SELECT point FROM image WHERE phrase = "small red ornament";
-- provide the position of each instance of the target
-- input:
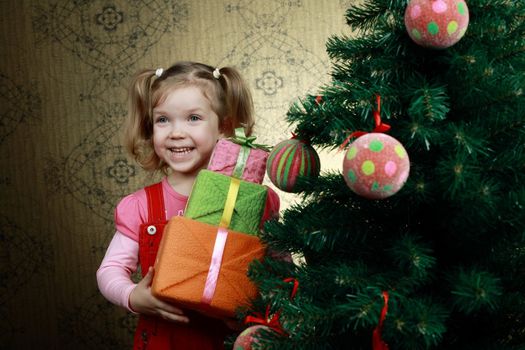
(248, 338)
(436, 24)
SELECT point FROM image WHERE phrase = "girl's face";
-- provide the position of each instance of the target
(185, 130)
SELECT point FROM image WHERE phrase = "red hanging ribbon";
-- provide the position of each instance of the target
(273, 321)
(379, 126)
(295, 286)
(377, 342)
(294, 136)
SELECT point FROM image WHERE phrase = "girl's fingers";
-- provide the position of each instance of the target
(169, 308)
(165, 310)
(149, 277)
(173, 317)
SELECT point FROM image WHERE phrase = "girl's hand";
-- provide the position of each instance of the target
(142, 301)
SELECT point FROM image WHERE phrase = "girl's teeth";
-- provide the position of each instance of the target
(180, 150)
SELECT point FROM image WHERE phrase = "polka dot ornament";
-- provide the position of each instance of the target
(289, 160)
(246, 339)
(376, 166)
(436, 24)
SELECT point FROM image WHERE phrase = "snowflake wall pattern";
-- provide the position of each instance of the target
(108, 36)
(90, 326)
(97, 171)
(280, 66)
(17, 105)
(22, 256)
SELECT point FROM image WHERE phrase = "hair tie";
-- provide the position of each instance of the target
(158, 72)
(216, 73)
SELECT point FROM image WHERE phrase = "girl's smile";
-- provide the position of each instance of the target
(180, 152)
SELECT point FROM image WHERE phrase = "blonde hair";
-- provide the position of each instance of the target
(228, 94)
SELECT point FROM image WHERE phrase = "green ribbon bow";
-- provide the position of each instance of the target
(246, 142)
(240, 138)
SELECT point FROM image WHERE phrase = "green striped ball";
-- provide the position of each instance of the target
(289, 160)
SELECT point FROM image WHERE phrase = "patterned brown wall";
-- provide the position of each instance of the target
(64, 67)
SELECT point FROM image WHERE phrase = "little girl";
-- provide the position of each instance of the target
(176, 117)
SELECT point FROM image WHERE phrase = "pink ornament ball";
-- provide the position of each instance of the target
(376, 166)
(436, 24)
(246, 339)
(290, 159)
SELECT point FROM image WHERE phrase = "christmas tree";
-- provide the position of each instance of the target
(441, 263)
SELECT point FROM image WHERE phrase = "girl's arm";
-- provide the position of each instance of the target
(114, 273)
(115, 284)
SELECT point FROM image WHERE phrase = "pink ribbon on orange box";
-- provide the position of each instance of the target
(220, 242)
(273, 322)
(379, 125)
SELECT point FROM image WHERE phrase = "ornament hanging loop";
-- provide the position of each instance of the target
(273, 321)
(379, 125)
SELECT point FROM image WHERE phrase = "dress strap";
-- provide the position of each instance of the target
(156, 209)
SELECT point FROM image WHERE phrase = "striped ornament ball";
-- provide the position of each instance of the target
(289, 160)
(376, 166)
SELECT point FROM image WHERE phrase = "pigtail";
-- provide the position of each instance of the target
(238, 100)
(138, 128)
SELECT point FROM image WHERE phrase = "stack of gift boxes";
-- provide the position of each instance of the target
(203, 257)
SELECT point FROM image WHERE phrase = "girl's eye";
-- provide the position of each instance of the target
(161, 119)
(194, 118)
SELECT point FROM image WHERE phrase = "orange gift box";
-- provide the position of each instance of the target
(182, 267)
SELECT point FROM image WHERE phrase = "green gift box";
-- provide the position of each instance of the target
(221, 200)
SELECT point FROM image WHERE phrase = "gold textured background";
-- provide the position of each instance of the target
(64, 68)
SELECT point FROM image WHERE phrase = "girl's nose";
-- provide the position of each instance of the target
(177, 130)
